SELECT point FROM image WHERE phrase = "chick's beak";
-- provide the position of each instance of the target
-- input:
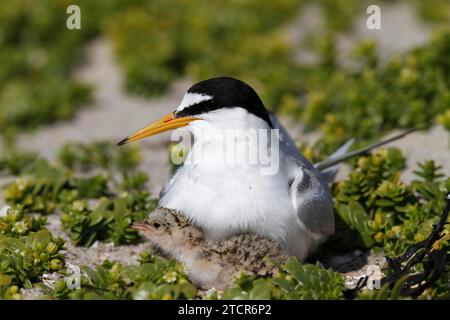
(168, 122)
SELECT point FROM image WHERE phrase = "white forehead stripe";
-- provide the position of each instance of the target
(191, 98)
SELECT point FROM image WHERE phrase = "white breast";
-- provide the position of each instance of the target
(225, 199)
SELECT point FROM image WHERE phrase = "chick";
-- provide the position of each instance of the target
(210, 264)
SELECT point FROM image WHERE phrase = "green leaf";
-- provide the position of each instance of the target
(356, 217)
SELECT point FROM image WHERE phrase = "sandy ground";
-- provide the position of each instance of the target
(400, 31)
(114, 114)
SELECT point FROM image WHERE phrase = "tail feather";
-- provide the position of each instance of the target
(329, 173)
(329, 166)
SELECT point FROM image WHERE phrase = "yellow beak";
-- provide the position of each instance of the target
(166, 123)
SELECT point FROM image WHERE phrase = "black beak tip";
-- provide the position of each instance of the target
(122, 142)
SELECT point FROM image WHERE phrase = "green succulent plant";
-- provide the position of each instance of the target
(382, 209)
(24, 259)
(15, 163)
(16, 223)
(47, 187)
(153, 278)
(110, 220)
(293, 281)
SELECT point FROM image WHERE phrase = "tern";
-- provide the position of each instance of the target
(210, 264)
(292, 205)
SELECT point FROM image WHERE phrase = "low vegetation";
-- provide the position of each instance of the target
(374, 208)
(98, 190)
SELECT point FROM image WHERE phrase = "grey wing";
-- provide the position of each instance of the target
(312, 201)
(329, 173)
(170, 182)
(285, 138)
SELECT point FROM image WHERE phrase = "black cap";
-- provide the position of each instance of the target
(226, 92)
